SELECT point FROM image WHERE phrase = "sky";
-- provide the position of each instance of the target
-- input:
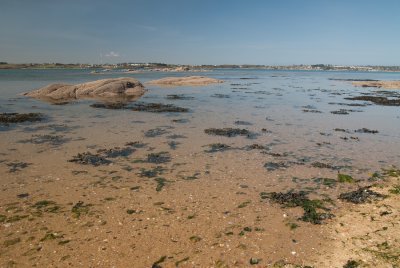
(279, 32)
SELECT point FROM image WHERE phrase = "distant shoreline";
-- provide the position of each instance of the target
(189, 68)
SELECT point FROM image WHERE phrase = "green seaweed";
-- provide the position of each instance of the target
(351, 264)
(160, 183)
(195, 238)
(11, 242)
(345, 178)
(151, 173)
(300, 199)
(177, 263)
(160, 260)
(395, 189)
(80, 209)
(244, 204)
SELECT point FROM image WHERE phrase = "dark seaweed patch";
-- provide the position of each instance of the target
(271, 166)
(53, 128)
(342, 130)
(344, 111)
(54, 140)
(116, 152)
(178, 97)
(377, 100)
(311, 111)
(10, 118)
(300, 199)
(156, 264)
(221, 96)
(366, 130)
(256, 146)
(326, 181)
(176, 136)
(243, 123)
(158, 108)
(217, 147)
(88, 158)
(180, 121)
(361, 195)
(111, 106)
(136, 144)
(80, 209)
(158, 158)
(151, 133)
(160, 183)
(173, 144)
(227, 132)
(322, 165)
(151, 173)
(17, 166)
(46, 206)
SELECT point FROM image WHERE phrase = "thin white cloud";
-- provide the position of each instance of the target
(112, 54)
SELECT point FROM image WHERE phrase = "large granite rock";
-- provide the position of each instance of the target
(114, 89)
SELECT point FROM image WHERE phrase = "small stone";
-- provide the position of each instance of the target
(254, 261)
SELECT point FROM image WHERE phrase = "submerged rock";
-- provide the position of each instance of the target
(114, 89)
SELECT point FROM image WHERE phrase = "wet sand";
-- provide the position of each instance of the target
(178, 196)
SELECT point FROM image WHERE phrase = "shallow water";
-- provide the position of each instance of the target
(270, 103)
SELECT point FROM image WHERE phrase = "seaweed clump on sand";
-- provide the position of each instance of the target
(227, 132)
(377, 100)
(300, 199)
(12, 118)
(88, 158)
(158, 108)
(361, 195)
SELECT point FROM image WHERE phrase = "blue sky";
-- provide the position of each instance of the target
(276, 32)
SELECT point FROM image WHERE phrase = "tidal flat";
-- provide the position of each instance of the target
(267, 169)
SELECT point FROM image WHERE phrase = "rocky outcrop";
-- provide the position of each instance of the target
(378, 84)
(185, 81)
(115, 89)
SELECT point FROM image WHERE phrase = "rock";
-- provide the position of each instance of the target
(185, 81)
(115, 89)
(254, 261)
